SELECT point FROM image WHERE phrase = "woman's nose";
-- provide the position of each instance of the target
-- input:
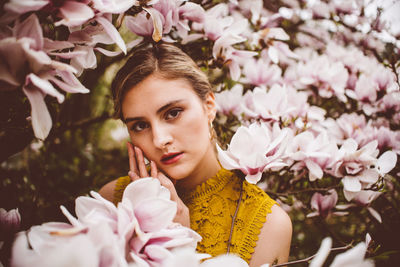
(161, 136)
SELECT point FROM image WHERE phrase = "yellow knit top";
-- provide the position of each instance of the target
(212, 206)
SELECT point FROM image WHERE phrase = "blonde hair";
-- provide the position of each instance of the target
(164, 60)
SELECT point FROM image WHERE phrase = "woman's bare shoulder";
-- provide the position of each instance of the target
(107, 191)
(275, 237)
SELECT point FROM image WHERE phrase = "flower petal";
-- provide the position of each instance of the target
(45, 86)
(74, 14)
(155, 214)
(157, 23)
(322, 253)
(141, 189)
(112, 32)
(41, 120)
(351, 184)
(386, 162)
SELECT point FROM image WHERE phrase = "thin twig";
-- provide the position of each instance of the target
(311, 257)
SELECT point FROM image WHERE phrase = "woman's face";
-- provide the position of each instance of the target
(170, 123)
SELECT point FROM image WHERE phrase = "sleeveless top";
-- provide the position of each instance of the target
(212, 206)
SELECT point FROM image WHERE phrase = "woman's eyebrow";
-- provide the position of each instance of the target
(168, 105)
(160, 110)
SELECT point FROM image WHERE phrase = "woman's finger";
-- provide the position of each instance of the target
(132, 159)
(133, 176)
(141, 164)
(165, 181)
(153, 170)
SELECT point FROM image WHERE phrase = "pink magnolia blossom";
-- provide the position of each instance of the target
(216, 21)
(229, 101)
(255, 149)
(353, 164)
(313, 152)
(276, 48)
(138, 231)
(261, 73)
(271, 106)
(74, 13)
(24, 50)
(9, 221)
(224, 52)
(324, 204)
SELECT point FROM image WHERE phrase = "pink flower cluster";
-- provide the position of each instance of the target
(139, 230)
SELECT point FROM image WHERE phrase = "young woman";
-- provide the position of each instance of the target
(167, 104)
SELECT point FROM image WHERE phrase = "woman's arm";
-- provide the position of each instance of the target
(274, 239)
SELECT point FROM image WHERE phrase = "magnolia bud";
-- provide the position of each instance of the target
(9, 220)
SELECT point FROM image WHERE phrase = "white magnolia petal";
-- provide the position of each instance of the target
(386, 162)
(353, 257)
(157, 253)
(375, 214)
(141, 189)
(74, 14)
(112, 32)
(312, 214)
(369, 176)
(155, 214)
(226, 160)
(107, 53)
(67, 55)
(314, 169)
(69, 216)
(322, 253)
(41, 119)
(45, 86)
(273, 54)
(31, 29)
(70, 88)
(349, 195)
(351, 184)
(253, 178)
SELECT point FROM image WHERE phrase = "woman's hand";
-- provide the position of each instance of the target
(138, 170)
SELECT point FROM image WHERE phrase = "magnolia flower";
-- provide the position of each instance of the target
(224, 52)
(255, 149)
(139, 230)
(365, 92)
(25, 64)
(329, 77)
(229, 101)
(259, 72)
(353, 257)
(216, 21)
(272, 105)
(323, 204)
(354, 165)
(314, 153)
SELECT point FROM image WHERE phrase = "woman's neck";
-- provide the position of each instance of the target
(206, 169)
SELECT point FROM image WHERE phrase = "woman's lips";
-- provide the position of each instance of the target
(171, 158)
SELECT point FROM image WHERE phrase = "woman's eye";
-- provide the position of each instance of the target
(173, 113)
(139, 126)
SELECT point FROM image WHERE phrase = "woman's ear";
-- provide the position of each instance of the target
(211, 107)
